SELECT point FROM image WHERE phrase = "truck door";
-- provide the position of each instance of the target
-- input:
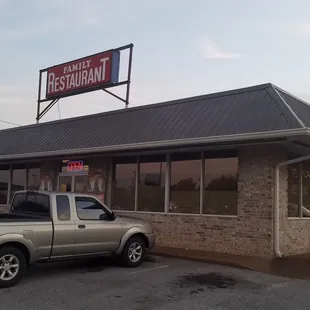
(64, 227)
(94, 234)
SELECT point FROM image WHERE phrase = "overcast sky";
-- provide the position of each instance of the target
(182, 48)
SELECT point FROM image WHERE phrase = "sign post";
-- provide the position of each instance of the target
(96, 72)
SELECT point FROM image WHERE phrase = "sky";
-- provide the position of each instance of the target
(181, 48)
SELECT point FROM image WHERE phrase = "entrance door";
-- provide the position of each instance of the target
(65, 183)
(80, 183)
(75, 183)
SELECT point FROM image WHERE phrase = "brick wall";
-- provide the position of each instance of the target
(294, 233)
(250, 233)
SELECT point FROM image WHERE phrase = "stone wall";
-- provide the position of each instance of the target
(249, 233)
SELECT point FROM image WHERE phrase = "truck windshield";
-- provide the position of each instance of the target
(32, 203)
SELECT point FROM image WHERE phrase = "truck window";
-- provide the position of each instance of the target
(63, 208)
(88, 208)
(32, 203)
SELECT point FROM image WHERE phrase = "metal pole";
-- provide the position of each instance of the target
(39, 97)
(129, 76)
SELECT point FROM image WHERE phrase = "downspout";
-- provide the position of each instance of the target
(277, 251)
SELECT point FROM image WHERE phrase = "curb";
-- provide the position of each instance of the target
(152, 258)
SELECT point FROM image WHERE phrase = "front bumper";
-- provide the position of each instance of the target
(152, 239)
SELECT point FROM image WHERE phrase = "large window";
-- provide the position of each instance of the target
(185, 183)
(298, 194)
(4, 181)
(123, 192)
(33, 182)
(151, 190)
(221, 186)
(293, 172)
(19, 180)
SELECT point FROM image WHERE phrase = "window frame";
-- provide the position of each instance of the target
(232, 153)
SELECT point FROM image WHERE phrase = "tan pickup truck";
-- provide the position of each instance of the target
(48, 226)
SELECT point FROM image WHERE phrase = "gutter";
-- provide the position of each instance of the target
(277, 251)
(163, 144)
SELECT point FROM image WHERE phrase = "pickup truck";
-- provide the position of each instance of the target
(48, 226)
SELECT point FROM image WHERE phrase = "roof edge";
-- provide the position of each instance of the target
(168, 143)
(290, 94)
(288, 107)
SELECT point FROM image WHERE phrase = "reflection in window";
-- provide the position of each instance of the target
(19, 180)
(88, 208)
(33, 179)
(4, 181)
(63, 208)
(123, 192)
(221, 186)
(293, 190)
(151, 191)
(185, 186)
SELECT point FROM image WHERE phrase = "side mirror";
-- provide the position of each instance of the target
(107, 216)
(103, 217)
(113, 216)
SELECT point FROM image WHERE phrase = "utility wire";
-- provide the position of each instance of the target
(9, 123)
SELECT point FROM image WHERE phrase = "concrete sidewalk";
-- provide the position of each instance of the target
(297, 266)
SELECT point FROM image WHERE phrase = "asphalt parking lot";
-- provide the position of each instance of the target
(166, 284)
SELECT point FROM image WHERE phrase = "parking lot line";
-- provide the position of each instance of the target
(149, 269)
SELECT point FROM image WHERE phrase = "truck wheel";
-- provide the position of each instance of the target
(133, 252)
(12, 266)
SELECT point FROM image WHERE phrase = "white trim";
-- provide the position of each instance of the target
(298, 218)
(167, 143)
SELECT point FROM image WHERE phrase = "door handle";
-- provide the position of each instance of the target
(81, 226)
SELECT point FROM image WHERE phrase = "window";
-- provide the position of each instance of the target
(293, 172)
(298, 185)
(88, 208)
(221, 186)
(185, 184)
(4, 181)
(33, 182)
(19, 180)
(31, 203)
(124, 183)
(151, 190)
(305, 168)
(63, 208)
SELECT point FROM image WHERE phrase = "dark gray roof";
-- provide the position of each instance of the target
(262, 108)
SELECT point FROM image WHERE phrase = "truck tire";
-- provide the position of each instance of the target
(133, 252)
(12, 266)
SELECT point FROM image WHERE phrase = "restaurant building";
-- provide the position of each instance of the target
(224, 173)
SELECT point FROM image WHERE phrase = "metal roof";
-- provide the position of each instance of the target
(259, 109)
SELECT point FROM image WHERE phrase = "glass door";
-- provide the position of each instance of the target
(81, 183)
(65, 183)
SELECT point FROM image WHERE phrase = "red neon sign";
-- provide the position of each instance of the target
(76, 165)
